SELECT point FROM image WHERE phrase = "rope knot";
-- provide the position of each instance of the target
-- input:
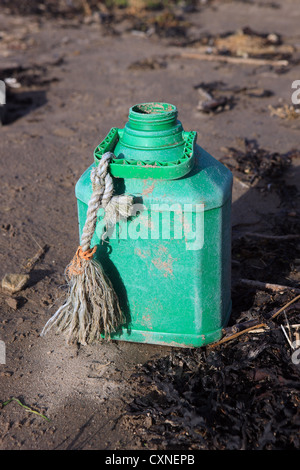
(76, 266)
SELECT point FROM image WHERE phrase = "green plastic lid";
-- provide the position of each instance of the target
(152, 144)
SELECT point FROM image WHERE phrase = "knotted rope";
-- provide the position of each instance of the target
(92, 308)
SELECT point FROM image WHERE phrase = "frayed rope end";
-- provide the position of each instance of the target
(91, 310)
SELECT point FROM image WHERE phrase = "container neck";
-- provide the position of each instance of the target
(152, 144)
(152, 117)
(151, 127)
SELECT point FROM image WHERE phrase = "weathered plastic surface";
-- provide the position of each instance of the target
(172, 290)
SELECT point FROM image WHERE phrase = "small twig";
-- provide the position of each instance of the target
(233, 60)
(242, 183)
(266, 285)
(288, 339)
(32, 261)
(284, 307)
(288, 326)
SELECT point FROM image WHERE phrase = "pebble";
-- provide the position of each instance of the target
(14, 282)
(14, 303)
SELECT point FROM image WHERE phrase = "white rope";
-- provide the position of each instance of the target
(116, 207)
(102, 193)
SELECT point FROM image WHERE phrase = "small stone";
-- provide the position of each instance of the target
(14, 282)
(148, 422)
(12, 302)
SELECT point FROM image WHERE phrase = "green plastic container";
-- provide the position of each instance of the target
(170, 263)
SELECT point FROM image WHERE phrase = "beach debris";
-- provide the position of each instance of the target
(148, 64)
(239, 393)
(242, 47)
(210, 99)
(27, 408)
(254, 164)
(286, 111)
(246, 43)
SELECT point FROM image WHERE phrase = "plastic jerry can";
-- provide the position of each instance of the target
(170, 263)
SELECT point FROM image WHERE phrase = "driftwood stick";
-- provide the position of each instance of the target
(267, 286)
(240, 327)
(233, 60)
